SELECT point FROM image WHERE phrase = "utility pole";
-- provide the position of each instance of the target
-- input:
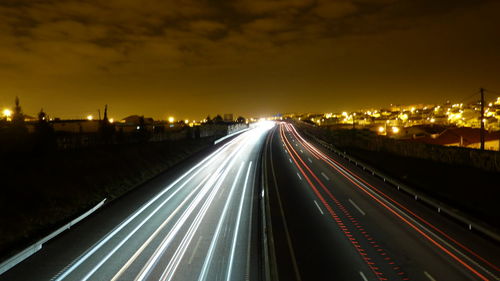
(482, 119)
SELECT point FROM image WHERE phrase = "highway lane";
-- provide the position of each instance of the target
(331, 219)
(201, 226)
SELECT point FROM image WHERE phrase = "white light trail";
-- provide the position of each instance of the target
(181, 250)
(238, 221)
(193, 172)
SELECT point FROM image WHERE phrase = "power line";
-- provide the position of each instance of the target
(473, 95)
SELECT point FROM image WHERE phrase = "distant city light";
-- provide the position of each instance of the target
(171, 119)
(111, 120)
(395, 130)
(186, 121)
(381, 129)
(7, 112)
(90, 117)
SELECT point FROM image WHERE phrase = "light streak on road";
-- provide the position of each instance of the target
(406, 216)
(215, 238)
(192, 172)
(153, 242)
(238, 221)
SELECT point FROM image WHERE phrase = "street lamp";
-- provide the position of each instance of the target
(171, 119)
(7, 113)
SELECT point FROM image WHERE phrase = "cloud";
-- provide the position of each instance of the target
(129, 35)
(258, 7)
(334, 9)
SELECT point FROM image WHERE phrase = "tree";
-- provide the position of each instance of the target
(142, 131)
(106, 129)
(42, 117)
(17, 116)
(218, 119)
(44, 134)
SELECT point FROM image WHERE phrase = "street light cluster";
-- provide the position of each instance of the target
(382, 130)
(398, 116)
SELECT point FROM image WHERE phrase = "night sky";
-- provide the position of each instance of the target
(191, 58)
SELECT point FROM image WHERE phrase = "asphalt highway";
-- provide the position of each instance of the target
(327, 219)
(199, 223)
(331, 220)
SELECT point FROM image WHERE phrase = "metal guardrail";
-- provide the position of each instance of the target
(230, 135)
(26, 253)
(441, 207)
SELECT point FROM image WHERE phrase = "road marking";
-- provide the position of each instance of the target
(417, 226)
(429, 276)
(297, 145)
(356, 206)
(299, 176)
(363, 276)
(323, 174)
(319, 208)
(194, 250)
(301, 151)
(310, 161)
(290, 160)
(424, 231)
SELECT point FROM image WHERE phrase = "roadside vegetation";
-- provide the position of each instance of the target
(41, 191)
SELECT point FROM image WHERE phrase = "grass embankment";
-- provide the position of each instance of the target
(40, 193)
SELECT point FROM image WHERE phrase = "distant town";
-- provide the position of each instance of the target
(449, 124)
